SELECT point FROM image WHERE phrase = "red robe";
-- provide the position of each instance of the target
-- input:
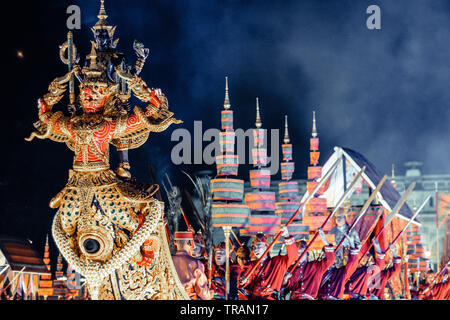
(237, 294)
(218, 282)
(359, 280)
(305, 281)
(385, 276)
(439, 291)
(268, 276)
(333, 282)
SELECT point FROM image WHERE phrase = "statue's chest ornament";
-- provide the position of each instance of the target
(84, 128)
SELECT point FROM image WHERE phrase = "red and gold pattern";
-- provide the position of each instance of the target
(108, 229)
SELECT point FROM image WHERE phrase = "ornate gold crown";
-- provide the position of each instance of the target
(94, 71)
(102, 24)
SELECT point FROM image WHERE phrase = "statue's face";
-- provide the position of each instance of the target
(258, 249)
(102, 39)
(93, 97)
(219, 257)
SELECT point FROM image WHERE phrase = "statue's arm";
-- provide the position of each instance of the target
(155, 118)
(52, 125)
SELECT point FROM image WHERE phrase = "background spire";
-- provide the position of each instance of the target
(393, 174)
(286, 130)
(314, 128)
(226, 103)
(258, 122)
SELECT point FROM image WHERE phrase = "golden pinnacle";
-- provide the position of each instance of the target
(226, 103)
(286, 130)
(314, 129)
(258, 122)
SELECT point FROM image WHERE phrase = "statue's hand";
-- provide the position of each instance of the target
(76, 69)
(140, 50)
(162, 98)
(55, 93)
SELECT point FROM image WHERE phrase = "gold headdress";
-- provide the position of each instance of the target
(102, 24)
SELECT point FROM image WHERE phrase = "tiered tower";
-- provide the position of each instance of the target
(45, 281)
(288, 191)
(316, 211)
(59, 284)
(227, 209)
(260, 200)
(416, 253)
(227, 191)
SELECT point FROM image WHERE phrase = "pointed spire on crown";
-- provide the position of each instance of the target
(314, 128)
(226, 103)
(93, 56)
(286, 130)
(103, 24)
(102, 13)
(258, 122)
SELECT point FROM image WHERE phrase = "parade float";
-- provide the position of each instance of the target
(108, 227)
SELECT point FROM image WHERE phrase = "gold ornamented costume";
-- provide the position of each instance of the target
(108, 229)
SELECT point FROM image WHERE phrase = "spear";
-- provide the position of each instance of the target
(13, 280)
(70, 65)
(435, 278)
(410, 221)
(200, 220)
(195, 210)
(322, 181)
(397, 208)
(181, 208)
(232, 232)
(185, 218)
(344, 196)
(159, 197)
(4, 269)
(363, 210)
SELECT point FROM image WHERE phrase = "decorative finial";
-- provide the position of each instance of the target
(314, 129)
(286, 130)
(226, 103)
(102, 24)
(393, 174)
(46, 240)
(258, 122)
(102, 13)
(93, 56)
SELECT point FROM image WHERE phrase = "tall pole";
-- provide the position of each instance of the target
(363, 210)
(391, 216)
(346, 194)
(437, 225)
(195, 210)
(318, 186)
(410, 220)
(70, 65)
(227, 231)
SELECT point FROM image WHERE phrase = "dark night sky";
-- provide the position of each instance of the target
(382, 93)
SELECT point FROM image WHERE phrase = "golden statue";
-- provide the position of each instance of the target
(108, 227)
